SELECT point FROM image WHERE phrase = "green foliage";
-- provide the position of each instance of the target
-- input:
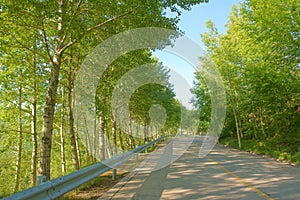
(38, 35)
(189, 121)
(277, 148)
(202, 100)
(148, 95)
(258, 58)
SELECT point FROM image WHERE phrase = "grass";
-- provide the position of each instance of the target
(94, 188)
(98, 186)
(282, 149)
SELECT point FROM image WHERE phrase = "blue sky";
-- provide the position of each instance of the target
(193, 24)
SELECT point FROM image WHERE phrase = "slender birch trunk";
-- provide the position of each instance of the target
(34, 124)
(94, 141)
(114, 135)
(121, 139)
(101, 138)
(138, 134)
(145, 132)
(20, 145)
(62, 140)
(48, 119)
(88, 142)
(130, 133)
(73, 141)
(77, 134)
(34, 143)
(78, 149)
(237, 128)
(49, 109)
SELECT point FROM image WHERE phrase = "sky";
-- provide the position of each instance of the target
(192, 23)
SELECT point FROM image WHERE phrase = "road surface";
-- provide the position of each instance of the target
(224, 173)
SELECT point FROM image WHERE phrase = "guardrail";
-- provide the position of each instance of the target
(57, 187)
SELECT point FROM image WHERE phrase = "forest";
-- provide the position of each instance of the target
(259, 60)
(43, 44)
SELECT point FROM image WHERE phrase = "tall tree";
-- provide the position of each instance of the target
(56, 26)
(258, 60)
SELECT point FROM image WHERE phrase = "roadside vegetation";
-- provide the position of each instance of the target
(259, 60)
(42, 46)
(93, 189)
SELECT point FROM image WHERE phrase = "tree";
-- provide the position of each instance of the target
(258, 60)
(201, 101)
(61, 24)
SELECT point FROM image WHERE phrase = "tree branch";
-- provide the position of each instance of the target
(67, 46)
(73, 41)
(78, 5)
(20, 43)
(109, 20)
(46, 41)
(18, 131)
(95, 28)
(16, 105)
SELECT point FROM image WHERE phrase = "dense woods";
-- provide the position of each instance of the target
(43, 44)
(259, 60)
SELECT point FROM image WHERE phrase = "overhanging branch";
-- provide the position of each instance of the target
(109, 20)
(95, 28)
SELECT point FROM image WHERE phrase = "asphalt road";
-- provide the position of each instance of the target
(223, 174)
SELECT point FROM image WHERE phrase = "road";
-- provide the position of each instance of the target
(224, 173)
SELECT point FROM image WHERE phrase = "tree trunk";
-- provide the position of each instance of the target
(78, 150)
(49, 109)
(121, 140)
(115, 149)
(131, 139)
(73, 141)
(138, 134)
(88, 151)
(237, 128)
(62, 148)
(262, 122)
(253, 120)
(62, 141)
(20, 145)
(255, 126)
(34, 143)
(94, 141)
(48, 119)
(108, 149)
(77, 135)
(89, 145)
(101, 138)
(114, 135)
(145, 132)
(34, 124)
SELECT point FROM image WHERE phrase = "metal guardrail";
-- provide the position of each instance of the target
(59, 186)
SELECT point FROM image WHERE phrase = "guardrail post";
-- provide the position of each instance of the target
(114, 170)
(136, 157)
(146, 149)
(41, 179)
(114, 174)
(59, 186)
